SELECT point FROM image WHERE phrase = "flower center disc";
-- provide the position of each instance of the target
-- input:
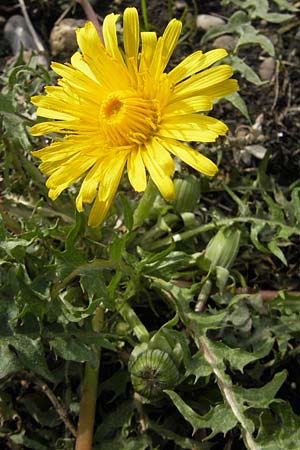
(126, 119)
(111, 107)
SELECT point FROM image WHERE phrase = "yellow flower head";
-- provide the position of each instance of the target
(118, 108)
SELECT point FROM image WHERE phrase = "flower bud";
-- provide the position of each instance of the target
(222, 249)
(187, 194)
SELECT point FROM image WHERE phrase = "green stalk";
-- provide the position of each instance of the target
(144, 14)
(133, 320)
(86, 420)
(145, 203)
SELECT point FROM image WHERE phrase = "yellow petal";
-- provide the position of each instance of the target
(161, 156)
(220, 89)
(110, 36)
(69, 172)
(62, 107)
(131, 28)
(203, 80)
(149, 41)
(53, 113)
(170, 38)
(102, 68)
(81, 65)
(62, 127)
(106, 192)
(113, 167)
(189, 105)
(57, 151)
(191, 157)
(83, 82)
(45, 127)
(88, 40)
(194, 63)
(157, 63)
(158, 175)
(136, 170)
(165, 47)
(192, 127)
(89, 186)
(99, 211)
(54, 193)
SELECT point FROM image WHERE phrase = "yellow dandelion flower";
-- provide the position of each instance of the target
(120, 108)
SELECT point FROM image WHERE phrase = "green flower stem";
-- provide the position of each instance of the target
(133, 320)
(85, 429)
(142, 210)
(217, 224)
(144, 14)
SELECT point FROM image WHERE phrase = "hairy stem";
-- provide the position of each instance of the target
(89, 393)
(228, 394)
(145, 203)
(133, 320)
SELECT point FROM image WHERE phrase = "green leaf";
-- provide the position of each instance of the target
(112, 421)
(279, 428)
(15, 248)
(127, 211)
(181, 441)
(9, 362)
(238, 65)
(27, 442)
(273, 247)
(2, 229)
(276, 17)
(72, 349)
(75, 231)
(31, 354)
(68, 260)
(198, 367)
(237, 357)
(170, 265)
(275, 209)
(256, 228)
(139, 442)
(219, 418)
(8, 308)
(208, 320)
(94, 284)
(261, 397)
(117, 384)
(251, 37)
(99, 341)
(117, 248)
(286, 5)
(7, 103)
(235, 24)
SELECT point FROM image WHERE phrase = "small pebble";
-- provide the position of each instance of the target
(226, 41)
(267, 68)
(205, 21)
(63, 38)
(18, 35)
(256, 150)
(180, 4)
